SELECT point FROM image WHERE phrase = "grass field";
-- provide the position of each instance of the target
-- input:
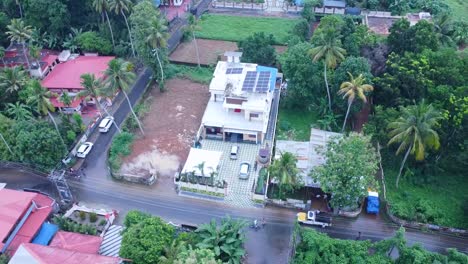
(294, 124)
(236, 28)
(201, 75)
(441, 201)
(459, 9)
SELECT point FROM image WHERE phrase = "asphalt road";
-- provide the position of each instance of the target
(274, 239)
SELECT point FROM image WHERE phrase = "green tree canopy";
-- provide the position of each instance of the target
(417, 38)
(258, 48)
(90, 41)
(350, 168)
(145, 238)
(305, 81)
(38, 143)
(196, 256)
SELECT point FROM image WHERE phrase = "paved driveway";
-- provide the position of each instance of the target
(239, 191)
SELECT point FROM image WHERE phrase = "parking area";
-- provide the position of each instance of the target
(239, 191)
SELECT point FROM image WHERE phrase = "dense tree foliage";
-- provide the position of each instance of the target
(145, 238)
(285, 173)
(350, 167)
(150, 33)
(316, 247)
(305, 81)
(90, 41)
(225, 240)
(417, 38)
(259, 49)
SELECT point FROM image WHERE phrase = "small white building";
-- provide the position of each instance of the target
(307, 153)
(240, 102)
(197, 157)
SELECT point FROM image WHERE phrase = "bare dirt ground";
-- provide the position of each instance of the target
(210, 51)
(170, 126)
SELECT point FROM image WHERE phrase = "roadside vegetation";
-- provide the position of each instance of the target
(148, 239)
(237, 28)
(315, 247)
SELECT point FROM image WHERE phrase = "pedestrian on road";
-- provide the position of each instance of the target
(263, 222)
(359, 236)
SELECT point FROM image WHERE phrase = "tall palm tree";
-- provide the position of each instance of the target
(19, 32)
(13, 79)
(2, 55)
(352, 88)
(7, 145)
(284, 171)
(413, 130)
(118, 76)
(192, 22)
(121, 7)
(40, 99)
(101, 6)
(18, 3)
(94, 88)
(66, 99)
(18, 111)
(35, 53)
(157, 39)
(328, 48)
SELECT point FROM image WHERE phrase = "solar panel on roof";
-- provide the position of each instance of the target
(249, 81)
(234, 70)
(263, 82)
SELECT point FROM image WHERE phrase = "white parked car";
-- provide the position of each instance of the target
(106, 124)
(84, 150)
(244, 170)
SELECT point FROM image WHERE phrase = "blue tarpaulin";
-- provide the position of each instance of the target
(46, 233)
(157, 2)
(372, 205)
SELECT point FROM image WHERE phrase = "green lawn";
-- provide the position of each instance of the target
(439, 202)
(236, 28)
(201, 75)
(459, 9)
(294, 124)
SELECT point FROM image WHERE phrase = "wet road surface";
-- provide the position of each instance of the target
(269, 245)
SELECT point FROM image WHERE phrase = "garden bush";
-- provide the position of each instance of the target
(93, 217)
(121, 146)
(82, 215)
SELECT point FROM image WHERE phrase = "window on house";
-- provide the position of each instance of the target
(237, 110)
(254, 115)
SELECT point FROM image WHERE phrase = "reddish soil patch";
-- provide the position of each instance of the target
(210, 51)
(170, 126)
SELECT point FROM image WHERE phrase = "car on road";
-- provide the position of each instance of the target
(244, 170)
(106, 124)
(84, 149)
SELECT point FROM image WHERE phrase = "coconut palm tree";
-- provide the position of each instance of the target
(40, 99)
(18, 111)
(101, 6)
(12, 80)
(352, 88)
(121, 7)
(94, 88)
(414, 132)
(19, 32)
(157, 39)
(18, 3)
(328, 48)
(2, 55)
(66, 99)
(192, 23)
(443, 28)
(118, 76)
(35, 53)
(284, 171)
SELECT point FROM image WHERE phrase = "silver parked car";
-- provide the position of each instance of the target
(244, 170)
